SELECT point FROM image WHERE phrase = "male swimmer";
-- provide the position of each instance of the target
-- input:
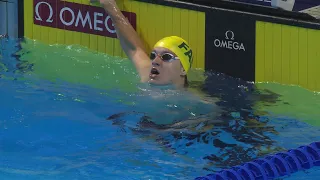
(169, 61)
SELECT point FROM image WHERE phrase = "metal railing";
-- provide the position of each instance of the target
(9, 18)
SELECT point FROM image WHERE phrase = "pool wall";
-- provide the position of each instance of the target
(255, 43)
(144, 16)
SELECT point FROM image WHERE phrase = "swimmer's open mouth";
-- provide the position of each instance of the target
(154, 71)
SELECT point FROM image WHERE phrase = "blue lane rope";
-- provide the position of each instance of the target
(272, 166)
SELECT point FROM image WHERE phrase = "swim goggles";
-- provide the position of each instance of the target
(167, 57)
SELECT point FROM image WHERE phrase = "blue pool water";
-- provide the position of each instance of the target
(56, 124)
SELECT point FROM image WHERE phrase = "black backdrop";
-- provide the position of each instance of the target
(230, 44)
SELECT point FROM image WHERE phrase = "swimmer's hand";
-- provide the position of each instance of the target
(105, 3)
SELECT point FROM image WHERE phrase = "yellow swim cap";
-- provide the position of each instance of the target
(180, 47)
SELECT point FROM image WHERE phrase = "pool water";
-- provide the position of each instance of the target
(67, 112)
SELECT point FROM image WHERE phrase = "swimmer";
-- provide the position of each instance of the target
(168, 62)
(167, 65)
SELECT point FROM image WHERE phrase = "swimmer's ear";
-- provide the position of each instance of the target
(183, 72)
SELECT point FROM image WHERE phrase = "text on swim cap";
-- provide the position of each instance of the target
(188, 53)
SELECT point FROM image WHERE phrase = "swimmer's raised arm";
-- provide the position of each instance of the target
(129, 39)
(170, 59)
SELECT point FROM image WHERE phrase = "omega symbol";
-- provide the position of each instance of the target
(37, 12)
(229, 34)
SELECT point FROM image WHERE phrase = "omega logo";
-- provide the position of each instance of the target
(229, 42)
(37, 12)
(76, 17)
(229, 33)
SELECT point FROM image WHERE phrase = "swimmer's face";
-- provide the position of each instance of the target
(166, 67)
